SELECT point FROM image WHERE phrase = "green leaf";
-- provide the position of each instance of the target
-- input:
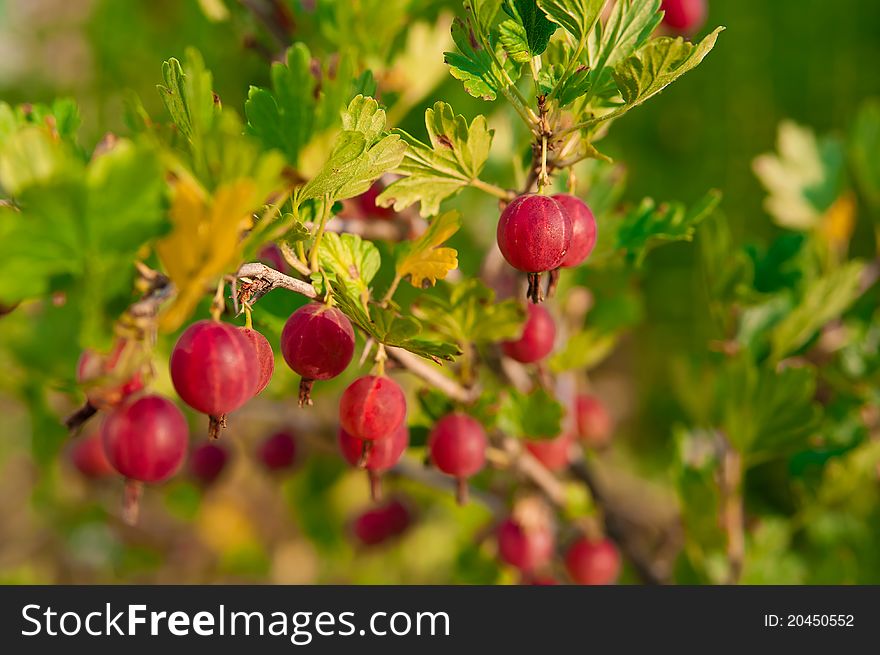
(629, 25)
(824, 300)
(513, 37)
(583, 350)
(80, 230)
(425, 260)
(29, 157)
(535, 415)
(350, 262)
(388, 326)
(767, 413)
(484, 12)
(803, 179)
(648, 224)
(577, 17)
(284, 117)
(537, 28)
(656, 65)
(473, 65)
(456, 156)
(575, 85)
(188, 94)
(467, 313)
(361, 154)
(864, 149)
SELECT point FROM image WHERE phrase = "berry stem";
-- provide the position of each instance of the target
(535, 293)
(131, 501)
(365, 454)
(248, 318)
(461, 491)
(305, 392)
(215, 425)
(553, 282)
(375, 486)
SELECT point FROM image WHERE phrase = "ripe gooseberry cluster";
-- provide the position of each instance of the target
(538, 233)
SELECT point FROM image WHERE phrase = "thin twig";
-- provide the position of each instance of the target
(258, 280)
(433, 375)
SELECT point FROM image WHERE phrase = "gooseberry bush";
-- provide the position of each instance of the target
(429, 307)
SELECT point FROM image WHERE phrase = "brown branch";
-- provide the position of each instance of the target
(258, 279)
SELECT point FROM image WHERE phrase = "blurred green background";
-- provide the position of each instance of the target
(809, 60)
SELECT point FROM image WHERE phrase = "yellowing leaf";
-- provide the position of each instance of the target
(426, 259)
(839, 222)
(205, 241)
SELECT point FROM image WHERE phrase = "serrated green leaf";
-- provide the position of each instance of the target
(467, 313)
(824, 300)
(649, 224)
(425, 260)
(535, 415)
(484, 12)
(351, 262)
(361, 154)
(284, 117)
(537, 28)
(188, 94)
(629, 25)
(767, 413)
(512, 36)
(472, 64)
(656, 65)
(456, 155)
(388, 326)
(577, 17)
(583, 350)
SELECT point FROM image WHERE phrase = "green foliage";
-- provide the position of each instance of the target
(584, 350)
(536, 415)
(577, 17)
(756, 360)
(468, 313)
(536, 28)
(350, 263)
(362, 152)
(656, 65)
(824, 300)
(764, 412)
(478, 69)
(648, 224)
(453, 158)
(75, 226)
